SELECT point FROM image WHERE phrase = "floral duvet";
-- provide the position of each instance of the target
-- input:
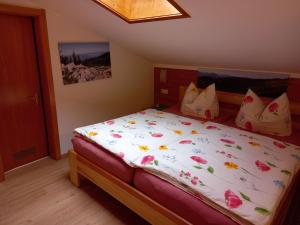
(242, 174)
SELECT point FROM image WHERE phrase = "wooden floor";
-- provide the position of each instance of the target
(41, 194)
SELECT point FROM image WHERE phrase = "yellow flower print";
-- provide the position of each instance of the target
(254, 144)
(92, 133)
(194, 132)
(144, 148)
(131, 122)
(178, 132)
(231, 165)
(163, 147)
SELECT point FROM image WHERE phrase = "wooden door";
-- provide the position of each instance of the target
(22, 127)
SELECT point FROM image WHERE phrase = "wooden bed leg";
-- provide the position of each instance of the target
(74, 176)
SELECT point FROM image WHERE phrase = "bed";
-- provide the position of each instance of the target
(152, 196)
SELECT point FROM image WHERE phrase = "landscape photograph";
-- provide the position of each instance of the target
(263, 84)
(82, 62)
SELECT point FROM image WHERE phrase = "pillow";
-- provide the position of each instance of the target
(274, 119)
(204, 105)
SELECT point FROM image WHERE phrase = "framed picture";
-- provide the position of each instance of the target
(81, 62)
(262, 83)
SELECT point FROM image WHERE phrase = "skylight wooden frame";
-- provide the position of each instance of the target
(183, 13)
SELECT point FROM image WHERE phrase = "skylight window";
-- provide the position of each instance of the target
(137, 11)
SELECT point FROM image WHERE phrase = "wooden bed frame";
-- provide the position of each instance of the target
(144, 206)
(141, 204)
(138, 202)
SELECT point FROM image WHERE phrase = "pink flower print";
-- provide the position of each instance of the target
(156, 135)
(248, 99)
(279, 145)
(116, 135)
(262, 166)
(142, 112)
(188, 174)
(199, 159)
(248, 126)
(232, 200)
(194, 180)
(211, 127)
(110, 122)
(227, 141)
(147, 159)
(121, 155)
(151, 123)
(273, 107)
(186, 123)
(185, 142)
(207, 114)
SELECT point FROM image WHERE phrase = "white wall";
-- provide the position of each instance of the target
(130, 89)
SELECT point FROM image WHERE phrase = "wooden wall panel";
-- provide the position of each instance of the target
(294, 89)
(174, 79)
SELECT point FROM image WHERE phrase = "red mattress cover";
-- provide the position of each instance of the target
(104, 159)
(182, 203)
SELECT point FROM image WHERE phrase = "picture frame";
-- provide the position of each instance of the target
(84, 61)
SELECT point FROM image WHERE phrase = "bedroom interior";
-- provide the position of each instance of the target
(150, 112)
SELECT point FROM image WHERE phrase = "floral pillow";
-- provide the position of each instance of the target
(204, 105)
(274, 119)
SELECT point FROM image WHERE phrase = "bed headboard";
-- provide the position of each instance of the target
(236, 99)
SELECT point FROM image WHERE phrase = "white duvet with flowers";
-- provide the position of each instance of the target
(244, 173)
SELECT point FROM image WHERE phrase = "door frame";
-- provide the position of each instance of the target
(45, 72)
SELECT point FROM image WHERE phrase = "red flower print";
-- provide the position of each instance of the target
(194, 180)
(227, 141)
(199, 159)
(207, 114)
(110, 122)
(186, 123)
(263, 167)
(147, 159)
(157, 135)
(121, 155)
(273, 107)
(151, 124)
(232, 200)
(248, 126)
(211, 127)
(185, 142)
(142, 112)
(248, 99)
(279, 145)
(116, 135)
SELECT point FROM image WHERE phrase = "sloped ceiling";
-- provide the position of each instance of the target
(245, 34)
